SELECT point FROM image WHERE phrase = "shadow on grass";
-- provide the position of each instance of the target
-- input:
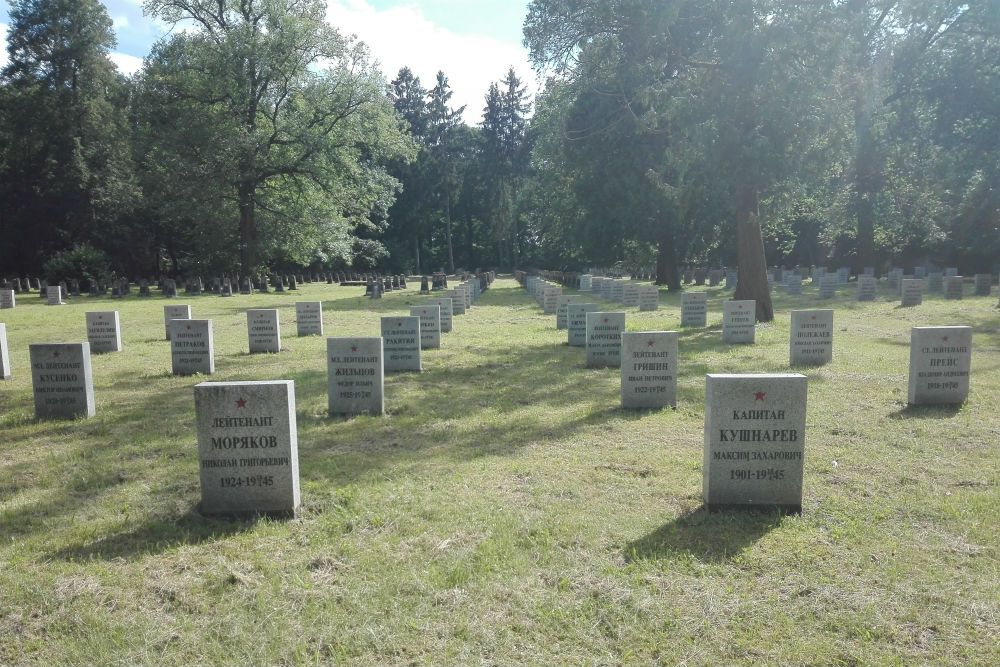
(157, 535)
(709, 536)
(943, 411)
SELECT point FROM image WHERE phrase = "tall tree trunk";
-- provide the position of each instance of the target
(667, 271)
(447, 231)
(416, 252)
(752, 280)
(865, 185)
(248, 228)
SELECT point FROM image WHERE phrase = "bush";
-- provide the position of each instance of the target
(84, 262)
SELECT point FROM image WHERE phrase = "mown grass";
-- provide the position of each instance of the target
(505, 510)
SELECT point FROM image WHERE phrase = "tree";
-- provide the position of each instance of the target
(289, 115)
(443, 124)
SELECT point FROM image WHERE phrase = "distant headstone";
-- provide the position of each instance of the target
(694, 309)
(754, 441)
(951, 272)
(227, 288)
(649, 298)
(174, 313)
(424, 285)
(264, 330)
(550, 299)
(586, 282)
(430, 325)
(940, 359)
(4, 353)
(576, 322)
(309, 318)
(457, 297)
(630, 295)
(793, 283)
(291, 283)
(355, 376)
(246, 287)
(562, 309)
(7, 299)
(912, 292)
(843, 275)
(983, 284)
(104, 331)
(144, 288)
(447, 312)
(54, 294)
(828, 287)
(247, 448)
(62, 380)
(866, 288)
(192, 347)
(604, 339)
(953, 287)
(738, 319)
(401, 343)
(920, 272)
(811, 337)
(731, 278)
(649, 369)
(618, 291)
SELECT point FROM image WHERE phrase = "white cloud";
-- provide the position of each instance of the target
(126, 64)
(403, 36)
(120, 22)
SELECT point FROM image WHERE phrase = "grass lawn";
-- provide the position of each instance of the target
(505, 510)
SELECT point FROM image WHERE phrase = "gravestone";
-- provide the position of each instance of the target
(920, 272)
(940, 359)
(192, 347)
(754, 441)
(246, 287)
(604, 339)
(793, 284)
(401, 343)
(649, 298)
(811, 337)
(62, 380)
(912, 292)
(355, 376)
(630, 295)
(983, 284)
(7, 299)
(309, 318)
(182, 312)
(446, 312)
(731, 279)
(738, 319)
(104, 331)
(144, 288)
(430, 325)
(586, 282)
(562, 309)
(54, 294)
(866, 288)
(247, 448)
(457, 297)
(576, 323)
(618, 291)
(424, 285)
(292, 285)
(694, 309)
(4, 353)
(828, 287)
(953, 287)
(550, 299)
(227, 288)
(951, 272)
(607, 286)
(264, 330)
(649, 369)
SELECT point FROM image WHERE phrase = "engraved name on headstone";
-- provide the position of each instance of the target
(940, 359)
(401, 343)
(811, 337)
(738, 320)
(694, 309)
(62, 380)
(604, 339)
(192, 347)
(263, 330)
(447, 313)
(576, 323)
(104, 331)
(309, 318)
(355, 376)
(182, 312)
(649, 369)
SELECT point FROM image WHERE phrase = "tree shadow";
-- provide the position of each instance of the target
(707, 535)
(940, 411)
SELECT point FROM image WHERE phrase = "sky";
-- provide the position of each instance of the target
(474, 42)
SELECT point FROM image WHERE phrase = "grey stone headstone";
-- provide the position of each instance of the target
(192, 347)
(4, 353)
(694, 309)
(953, 287)
(649, 298)
(754, 440)
(866, 288)
(607, 287)
(630, 295)
(248, 448)
(355, 376)
(182, 312)
(457, 297)
(401, 343)
(550, 299)
(447, 313)
(912, 292)
(940, 359)
(935, 282)
(951, 272)
(828, 287)
(264, 330)
(649, 369)
(731, 279)
(618, 291)
(104, 331)
(794, 283)
(738, 321)
(309, 318)
(604, 339)
(576, 323)
(811, 337)
(430, 325)
(562, 309)
(62, 380)
(586, 282)
(7, 299)
(54, 294)
(983, 284)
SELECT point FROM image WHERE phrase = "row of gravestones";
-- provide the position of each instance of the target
(645, 297)
(754, 424)
(247, 436)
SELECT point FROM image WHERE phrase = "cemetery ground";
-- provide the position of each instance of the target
(506, 510)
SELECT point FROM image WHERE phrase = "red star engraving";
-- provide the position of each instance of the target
(605, 320)
(188, 327)
(354, 348)
(399, 324)
(55, 355)
(649, 343)
(100, 317)
(758, 396)
(739, 306)
(240, 403)
(944, 339)
(814, 317)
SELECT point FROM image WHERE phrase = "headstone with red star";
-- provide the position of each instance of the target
(62, 380)
(754, 440)
(263, 330)
(604, 339)
(550, 299)
(940, 361)
(54, 294)
(430, 325)
(457, 297)
(630, 295)
(104, 331)
(694, 309)
(576, 323)
(309, 318)
(247, 448)
(738, 321)
(7, 299)
(192, 347)
(4, 353)
(811, 337)
(401, 343)
(649, 298)
(355, 376)
(447, 312)
(911, 292)
(866, 288)
(182, 312)
(649, 369)
(562, 309)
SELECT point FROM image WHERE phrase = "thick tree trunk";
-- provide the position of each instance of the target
(865, 186)
(447, 230)
(667, 271)
(752, 280)
(248, 228)
(416, 253)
